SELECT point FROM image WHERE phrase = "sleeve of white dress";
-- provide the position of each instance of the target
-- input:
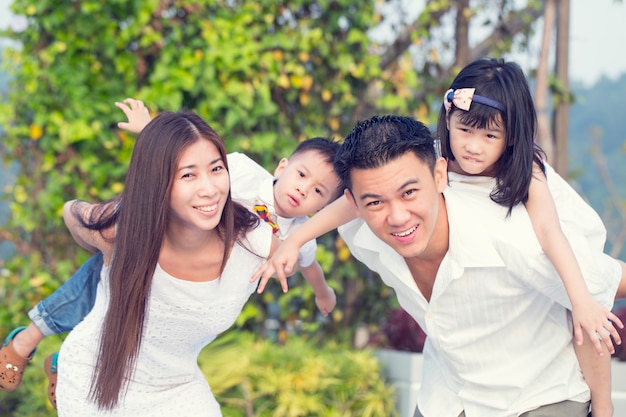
(586, 234)
(259, 241)
(245, 175)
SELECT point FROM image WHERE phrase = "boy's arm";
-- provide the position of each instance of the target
(286, 256)
(137, 114)
(587, 314)
(325, 297)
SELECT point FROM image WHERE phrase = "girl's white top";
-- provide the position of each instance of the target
(580, 223)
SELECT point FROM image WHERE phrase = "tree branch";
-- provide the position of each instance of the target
(517, 21)
(431, 15)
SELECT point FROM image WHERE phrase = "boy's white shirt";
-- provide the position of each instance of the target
(499, 338)
(251, 184)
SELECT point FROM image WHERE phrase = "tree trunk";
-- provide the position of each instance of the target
(544, 132)
(561, 111)
(461, 34)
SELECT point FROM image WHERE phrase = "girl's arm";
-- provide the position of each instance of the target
(587, 314)
(286, 256)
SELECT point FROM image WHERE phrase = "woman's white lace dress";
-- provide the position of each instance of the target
(183, 318)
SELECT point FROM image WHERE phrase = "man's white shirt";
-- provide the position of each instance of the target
(499, 336)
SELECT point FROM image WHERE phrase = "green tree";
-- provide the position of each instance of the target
(264, 73)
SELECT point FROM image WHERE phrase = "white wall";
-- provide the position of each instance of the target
(404, 371)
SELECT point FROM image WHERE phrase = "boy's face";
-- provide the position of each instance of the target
(402, 203)
(306, 183)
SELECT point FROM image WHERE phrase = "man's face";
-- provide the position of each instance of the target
(401, 202)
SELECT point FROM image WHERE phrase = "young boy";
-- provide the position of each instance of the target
(301, 185)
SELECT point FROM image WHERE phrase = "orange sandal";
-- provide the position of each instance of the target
(12, 364)
(50, 367)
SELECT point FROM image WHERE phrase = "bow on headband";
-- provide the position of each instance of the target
(463, 98)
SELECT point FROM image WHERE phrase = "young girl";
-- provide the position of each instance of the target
(177, 256)
(487, 127)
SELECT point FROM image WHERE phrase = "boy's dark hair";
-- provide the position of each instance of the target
(381, 139)
(324, 146)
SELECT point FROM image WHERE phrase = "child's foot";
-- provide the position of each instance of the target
(50, 367)
(12, 364)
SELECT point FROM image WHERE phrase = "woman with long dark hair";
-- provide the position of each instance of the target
(178, 255)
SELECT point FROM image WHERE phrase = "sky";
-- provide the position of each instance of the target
(597, 34)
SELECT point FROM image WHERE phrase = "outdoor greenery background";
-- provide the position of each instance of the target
(265, 74)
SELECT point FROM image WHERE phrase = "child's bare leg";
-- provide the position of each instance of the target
(597, 372)
(27, 340)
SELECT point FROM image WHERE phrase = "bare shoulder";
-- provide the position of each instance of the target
(538, 174)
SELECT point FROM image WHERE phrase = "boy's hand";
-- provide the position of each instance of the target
(591, 317)
(267, 271)
(137, 114)
(281, 265)
(327, 301)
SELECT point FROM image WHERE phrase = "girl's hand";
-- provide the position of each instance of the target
(599, 323)
(137, 114)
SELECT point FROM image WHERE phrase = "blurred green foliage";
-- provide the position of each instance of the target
(265, 74)
(251, 377)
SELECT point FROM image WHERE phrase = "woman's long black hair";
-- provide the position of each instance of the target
(140, 216)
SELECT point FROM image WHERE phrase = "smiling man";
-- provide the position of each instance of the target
(495, 311)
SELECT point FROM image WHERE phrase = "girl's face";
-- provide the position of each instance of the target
(476, 151)
(200, 188)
